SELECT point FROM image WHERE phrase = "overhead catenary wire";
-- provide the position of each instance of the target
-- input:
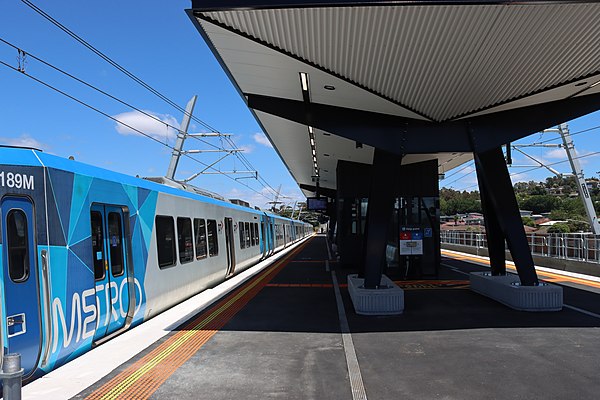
(81, 102)
(572, 134)
(89, 85)
(460, 170)
(537, 167)
(141, 82)
(109, 95)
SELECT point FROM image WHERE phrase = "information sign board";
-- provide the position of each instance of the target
(411, 241)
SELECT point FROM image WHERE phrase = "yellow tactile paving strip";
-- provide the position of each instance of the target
(144, 377)
(547, 276)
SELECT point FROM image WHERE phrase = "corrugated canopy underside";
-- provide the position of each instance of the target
(428, 62)
(441, 61)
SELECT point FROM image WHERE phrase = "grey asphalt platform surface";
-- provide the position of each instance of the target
(448, 344)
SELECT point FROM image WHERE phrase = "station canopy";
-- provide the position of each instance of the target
(425, 61)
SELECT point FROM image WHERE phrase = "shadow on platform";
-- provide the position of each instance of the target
(301, 298)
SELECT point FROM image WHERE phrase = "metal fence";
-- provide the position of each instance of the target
(569, 246)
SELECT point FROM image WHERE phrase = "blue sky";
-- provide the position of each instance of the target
(584, 131)
(156, 41)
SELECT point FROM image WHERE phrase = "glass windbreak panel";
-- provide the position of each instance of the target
(115, 236)
(354, 215)
(431, 204)
(416, 210)
(364, 205)
(184, 240)
(213, 244)
(200, 230)
(18, 245)
(97, 245)
(242, 238)
(165, 241)
(393, 234)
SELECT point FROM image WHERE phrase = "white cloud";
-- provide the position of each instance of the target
(155, 128)
(261, 139)
(23, 141)
(556, 154)
(246, 148)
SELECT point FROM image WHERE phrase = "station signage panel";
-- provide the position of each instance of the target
(411, 241)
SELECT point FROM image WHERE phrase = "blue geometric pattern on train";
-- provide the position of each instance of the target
(73, 302)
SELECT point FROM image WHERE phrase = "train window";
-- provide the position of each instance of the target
(18, 245)
(115, 236)
(165, 241)
(242, 238)
(252, 235)
(256, 237)
(213, 243)
(184, 240)
(247, 228)
(200, 230)
(97, 245)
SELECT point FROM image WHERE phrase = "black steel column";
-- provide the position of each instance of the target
(495, 236)
(332, 214)
(500, 193)
(379, 213)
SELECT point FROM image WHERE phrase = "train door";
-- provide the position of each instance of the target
(21, 286)
(272, 236)
(263, 231)
(229, 243)
(110, 268)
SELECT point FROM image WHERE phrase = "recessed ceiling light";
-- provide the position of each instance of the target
(329, 87)
(304, 81)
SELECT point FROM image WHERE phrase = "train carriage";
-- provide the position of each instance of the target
(88, 253)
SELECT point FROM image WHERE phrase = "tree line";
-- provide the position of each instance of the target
(557, 197)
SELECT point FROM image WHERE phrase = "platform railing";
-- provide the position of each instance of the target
(568, 246)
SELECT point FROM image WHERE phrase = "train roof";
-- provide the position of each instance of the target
(36, 158)
(23, 156)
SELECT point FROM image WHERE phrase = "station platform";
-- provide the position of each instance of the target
(290, 331)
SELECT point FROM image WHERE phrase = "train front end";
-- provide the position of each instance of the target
(23, 261)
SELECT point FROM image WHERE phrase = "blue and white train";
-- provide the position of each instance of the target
(89, 253)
